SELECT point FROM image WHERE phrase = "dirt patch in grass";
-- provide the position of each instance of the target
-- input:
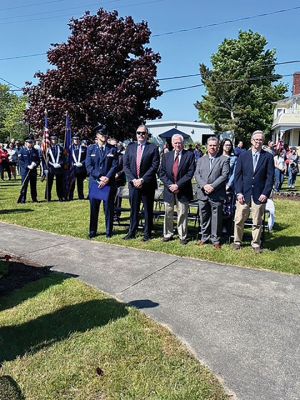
(287, 196)
(18, 273)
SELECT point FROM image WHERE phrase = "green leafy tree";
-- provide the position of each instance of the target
(14, 125)
(240, 86)
(12, 110)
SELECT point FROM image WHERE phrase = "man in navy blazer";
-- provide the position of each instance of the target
(141, 162)
(176, 172)
(254, 177)
(101, 165)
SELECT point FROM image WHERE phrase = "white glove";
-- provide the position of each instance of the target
(30, 167)
(78, 164)
(56, 165)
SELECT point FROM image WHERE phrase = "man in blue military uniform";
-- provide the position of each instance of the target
(28, 161)
(54, 169)
(101, 165)
(78, 160)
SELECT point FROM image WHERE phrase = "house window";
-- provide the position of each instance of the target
(280, 111)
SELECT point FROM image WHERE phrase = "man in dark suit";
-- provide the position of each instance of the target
(101, 165)
(54, 168)
(78, 159)
(211, 174)
(176, 173)
(254, 176)
(28, 161)
(141, 162)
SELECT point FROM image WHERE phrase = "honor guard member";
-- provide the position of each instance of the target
(101, 165)
(78, 160)
(29, 160)
(55, 169)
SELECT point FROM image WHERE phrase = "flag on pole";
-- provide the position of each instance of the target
(46, 141)
(69, 173)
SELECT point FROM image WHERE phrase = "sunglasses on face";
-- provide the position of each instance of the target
(141, 133)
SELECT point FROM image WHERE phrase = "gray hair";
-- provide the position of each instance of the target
(258, 132)
(143, 126)
(177, 135)
(212, 139)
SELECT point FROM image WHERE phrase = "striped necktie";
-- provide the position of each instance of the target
(139, 159)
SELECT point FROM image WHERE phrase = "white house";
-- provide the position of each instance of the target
(286, 120)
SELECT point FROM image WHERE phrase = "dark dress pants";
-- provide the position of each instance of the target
(109, 213)
(59, 186)
(211, 220)
(32, 178)
(136, 196)
(79, 179)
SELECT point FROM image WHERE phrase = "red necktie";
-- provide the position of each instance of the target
(139, 159)
(175, 167)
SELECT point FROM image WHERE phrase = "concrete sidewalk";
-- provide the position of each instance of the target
(242, 323)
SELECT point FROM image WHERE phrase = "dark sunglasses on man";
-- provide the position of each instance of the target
(141, 133)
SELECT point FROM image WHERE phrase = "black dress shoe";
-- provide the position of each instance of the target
(92, 235)
(146, 238)
(184, 241)
(129, 236)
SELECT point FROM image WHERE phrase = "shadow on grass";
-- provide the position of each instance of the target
(273, 243)
(16, 211)
(9, 389)
(46, 330)
(12, 183)
(22, 274)
(280, 226)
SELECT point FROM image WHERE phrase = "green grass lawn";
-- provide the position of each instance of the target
(63, 340)
(282, 246)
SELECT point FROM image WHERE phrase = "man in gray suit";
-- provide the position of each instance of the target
(211, 175)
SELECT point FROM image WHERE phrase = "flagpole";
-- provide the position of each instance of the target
(46, 157)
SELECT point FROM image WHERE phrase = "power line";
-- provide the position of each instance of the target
(255, 78)
(30, 4)
(167, 33)
(67, 9)
(230, 21)
(198, 74)
(11, 84)
(25, 56)
(52, 11)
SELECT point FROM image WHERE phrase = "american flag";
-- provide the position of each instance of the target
(46, 141)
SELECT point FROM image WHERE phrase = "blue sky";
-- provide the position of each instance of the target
(29, 27)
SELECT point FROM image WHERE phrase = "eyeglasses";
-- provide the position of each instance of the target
(141, 133)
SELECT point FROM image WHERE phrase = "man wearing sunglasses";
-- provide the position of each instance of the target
(141, 162)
